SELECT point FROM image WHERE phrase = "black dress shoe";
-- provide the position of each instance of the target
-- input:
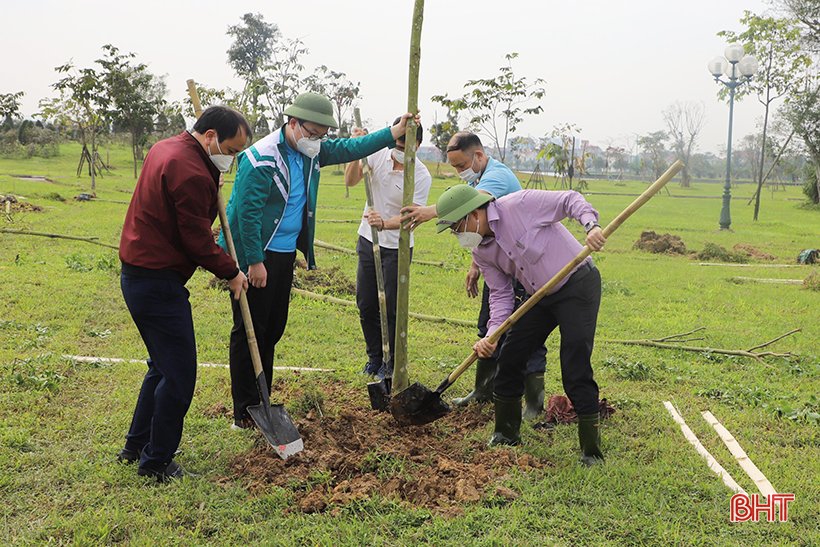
(172, 471)
(127, 455)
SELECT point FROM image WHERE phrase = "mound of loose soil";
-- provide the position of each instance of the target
(718, 253)
(354, 453)
(325, 281)
(10, 203)
(812, 282)
(752, 252)
(660, 243)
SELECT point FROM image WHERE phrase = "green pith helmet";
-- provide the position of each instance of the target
(456, 203)
(312, 107)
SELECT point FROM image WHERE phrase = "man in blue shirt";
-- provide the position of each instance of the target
(272, 214)
(467, 156)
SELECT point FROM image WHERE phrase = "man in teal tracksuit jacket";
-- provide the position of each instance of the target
(272, 213)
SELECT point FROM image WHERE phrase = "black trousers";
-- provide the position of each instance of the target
(269, 312)
(537, 361)
(574, 310)
(367, 297)
(162, 313)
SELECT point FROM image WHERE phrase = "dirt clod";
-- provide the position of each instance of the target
(660, 243)
(354, 454)
(331, 281)
(752, 252)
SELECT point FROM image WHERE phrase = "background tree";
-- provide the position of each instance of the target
(10, 108)
(684, 123)
(775, 42)
(803, 111)
(251, 51)
(83, 104)
(441, 133)
(136, 97)
(652, 145)
(342, 93)
(497, 105)
(284, 78)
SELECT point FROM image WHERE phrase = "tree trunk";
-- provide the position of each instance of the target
(134, 152)
(93, 162)
(401, 377)
(762, 158)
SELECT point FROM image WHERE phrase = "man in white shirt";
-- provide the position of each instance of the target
(387, 181)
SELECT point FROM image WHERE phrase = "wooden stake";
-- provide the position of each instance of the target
(345, 250)
(58, 236)
(748, 466)
(401, 377)
(343, 302)
(710, 460)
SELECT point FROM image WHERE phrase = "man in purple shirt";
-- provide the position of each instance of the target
(520, 237)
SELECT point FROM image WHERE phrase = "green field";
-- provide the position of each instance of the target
(62, 422)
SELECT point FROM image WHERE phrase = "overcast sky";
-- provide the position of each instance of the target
(611, 66)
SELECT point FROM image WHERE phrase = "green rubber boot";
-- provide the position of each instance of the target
(507, 421)
(589, 435)
(533, 396)
(485, 370)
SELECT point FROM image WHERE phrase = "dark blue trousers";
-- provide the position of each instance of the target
(162, 313)
(537, 361)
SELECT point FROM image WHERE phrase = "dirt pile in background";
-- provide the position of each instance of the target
(752, 252)
(331, 281)
(353, 453)
(660, 243)
(10, 204)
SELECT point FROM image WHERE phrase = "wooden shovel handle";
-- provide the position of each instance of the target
(580, 257)
(253, 346)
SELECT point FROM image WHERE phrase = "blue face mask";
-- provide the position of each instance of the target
(468, 175)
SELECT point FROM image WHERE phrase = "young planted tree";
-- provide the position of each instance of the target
(776, 43)
(136, 97)
(684, 123)
(497, 105)
(441, 133)
(251, 51)
(82, 104)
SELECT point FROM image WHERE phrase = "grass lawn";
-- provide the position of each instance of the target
(62, 421)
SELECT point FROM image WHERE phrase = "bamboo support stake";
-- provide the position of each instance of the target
(343, 302)
(377, 255)
(58, 236)
(401, 378)
(734, 447)
(710, 460)
(345, 250)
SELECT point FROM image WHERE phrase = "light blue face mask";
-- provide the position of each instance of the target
(468, 175)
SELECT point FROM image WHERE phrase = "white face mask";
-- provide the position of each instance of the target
(308, 147)
(398, 155)
(470, 240)
(221, 161)
(468, 175)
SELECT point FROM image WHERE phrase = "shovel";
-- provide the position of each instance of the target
(417, 405)
(272, 420)
(379, 391)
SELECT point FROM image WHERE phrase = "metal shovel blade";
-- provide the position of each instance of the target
(417, 405)
(278, 429)
(379, 393)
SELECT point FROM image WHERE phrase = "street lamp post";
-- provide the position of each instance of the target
(739, 69)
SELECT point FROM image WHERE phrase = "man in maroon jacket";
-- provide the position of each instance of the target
(166, 235)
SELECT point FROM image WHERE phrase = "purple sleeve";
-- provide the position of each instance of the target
(556, 206)
(502, 296)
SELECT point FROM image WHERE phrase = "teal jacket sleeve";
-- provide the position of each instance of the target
(336, 151)
(252, 188)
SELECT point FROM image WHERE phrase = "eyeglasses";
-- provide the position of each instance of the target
(311, 135)
(455, 225)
